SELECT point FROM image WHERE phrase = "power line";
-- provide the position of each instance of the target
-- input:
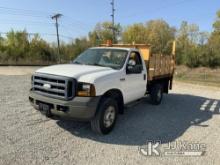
(41, 14)
(24, 11)
(168, 5)
(23, 14)
(67, 30)
(5, 21)
(41, 34)
(76, 21)
(38, 23)
(72, 27)
(35, 13)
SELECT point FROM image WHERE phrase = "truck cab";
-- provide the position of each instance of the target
(98, 83)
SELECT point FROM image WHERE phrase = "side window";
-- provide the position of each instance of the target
(136, 57)
(134, 65)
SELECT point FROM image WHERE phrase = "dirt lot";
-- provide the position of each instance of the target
(189, 113)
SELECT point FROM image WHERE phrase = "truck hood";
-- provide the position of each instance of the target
(76, 71)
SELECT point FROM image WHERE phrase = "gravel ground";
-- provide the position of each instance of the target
(17, 70)
(189, 113)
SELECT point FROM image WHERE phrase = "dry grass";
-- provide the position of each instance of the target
(201, 75)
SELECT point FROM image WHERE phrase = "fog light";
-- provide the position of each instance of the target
(31, 99)
(62, 108)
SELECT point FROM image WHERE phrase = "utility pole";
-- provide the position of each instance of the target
(113, 20)
(56, 16)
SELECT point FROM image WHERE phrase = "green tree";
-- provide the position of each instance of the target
(135, 33)
(188, 47)
(17, 45)
(3, 55)
(103, 32)
(203, 38)
(40, 51)
(183, 43)
(72, 50)
(158, 33)
(213, 43)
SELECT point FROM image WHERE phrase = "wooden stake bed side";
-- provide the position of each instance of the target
(158, 65)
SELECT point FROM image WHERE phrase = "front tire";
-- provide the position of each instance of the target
(156, 94)
(106, 116)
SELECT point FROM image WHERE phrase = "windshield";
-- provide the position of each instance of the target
(113, 58)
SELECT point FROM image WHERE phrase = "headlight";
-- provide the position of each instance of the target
(85, 89)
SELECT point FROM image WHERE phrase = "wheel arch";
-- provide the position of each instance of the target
(117, 95)
(165, 82)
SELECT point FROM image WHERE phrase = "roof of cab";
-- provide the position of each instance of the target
(118, 48)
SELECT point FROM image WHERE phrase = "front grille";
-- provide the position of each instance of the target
(54, 86)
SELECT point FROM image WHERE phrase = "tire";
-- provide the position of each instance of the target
(108, 109)
(156, 94)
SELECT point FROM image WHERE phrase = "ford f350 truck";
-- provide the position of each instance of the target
(97, 85)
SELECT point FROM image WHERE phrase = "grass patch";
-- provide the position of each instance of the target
(203, 76)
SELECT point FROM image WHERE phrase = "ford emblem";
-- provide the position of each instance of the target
(47, 86)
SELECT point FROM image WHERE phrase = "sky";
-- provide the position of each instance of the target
(80, 16)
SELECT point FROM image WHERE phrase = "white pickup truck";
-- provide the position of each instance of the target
(99, 82)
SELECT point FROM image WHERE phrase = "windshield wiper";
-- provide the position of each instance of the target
(76, 62)
(94, 64)
(97, 64)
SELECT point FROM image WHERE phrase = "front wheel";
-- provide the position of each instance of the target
(106, 116)
(156, 94)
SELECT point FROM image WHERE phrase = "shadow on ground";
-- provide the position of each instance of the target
(147, 122)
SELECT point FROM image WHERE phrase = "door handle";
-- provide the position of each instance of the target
(122, 79)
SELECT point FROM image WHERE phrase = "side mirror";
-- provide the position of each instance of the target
(132, 68)
(131, 62)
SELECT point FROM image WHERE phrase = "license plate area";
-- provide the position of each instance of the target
(44, 108)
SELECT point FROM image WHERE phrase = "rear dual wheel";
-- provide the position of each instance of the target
(156, 94)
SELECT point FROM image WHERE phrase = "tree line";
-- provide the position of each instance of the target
(194, 47)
